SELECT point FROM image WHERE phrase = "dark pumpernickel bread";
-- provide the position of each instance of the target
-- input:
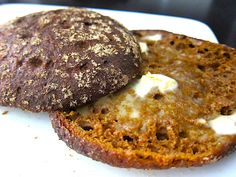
(162, 130)
(60, 59)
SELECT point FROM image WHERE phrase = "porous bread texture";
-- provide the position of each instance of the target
(60, 59)
(172, 129)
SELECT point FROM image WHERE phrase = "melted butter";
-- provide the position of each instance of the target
(155, 37)
(154, 81)
(224, 125)
(202, 121)
(128, 107)
(143, 47)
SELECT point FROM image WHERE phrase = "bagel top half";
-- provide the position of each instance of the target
(61, 59)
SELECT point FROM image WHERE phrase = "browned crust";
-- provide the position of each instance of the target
(121, 159)
(57, 60)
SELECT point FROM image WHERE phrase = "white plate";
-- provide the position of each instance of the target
(29, 147)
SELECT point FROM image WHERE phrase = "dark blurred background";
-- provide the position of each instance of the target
(219, 15)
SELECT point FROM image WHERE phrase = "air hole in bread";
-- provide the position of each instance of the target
(87, 23)
(86, 127)
(157, 96)
(226, 110)
(224, 75)
(35, 61)
(195, 150)
(201, 67)
(206, 49)
(180, 46)
(105, 62)
(127, 138)
(208, 55)
(216, 52)
(191, 45)
(172, 42)
(226, 55)
(200, 51)
(143, 156)
(162, 134)
(214, 66)
(140, 156)
(95, 110)
(182, 134)
(18, 90)
(196, 95)
(105, 110)
(231, 91)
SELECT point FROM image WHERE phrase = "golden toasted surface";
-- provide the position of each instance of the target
(161, 130)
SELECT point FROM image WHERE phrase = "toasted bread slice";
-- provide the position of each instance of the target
(187, 121)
